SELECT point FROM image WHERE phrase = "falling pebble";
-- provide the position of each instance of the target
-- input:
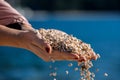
(82, 78)
(76, 69)
(53, 74)
(105, 74)
(70, 64)
(98, 55)
(93, 75)
(97, 70)
(67, 72)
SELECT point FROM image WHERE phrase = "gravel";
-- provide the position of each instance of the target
(64, 42)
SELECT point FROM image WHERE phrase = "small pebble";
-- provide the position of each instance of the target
(93, 75)
(105, 74)
(53, 74)
(76, 69)
(97, 70)
(98, 55)
(70, 64)
(67, 72)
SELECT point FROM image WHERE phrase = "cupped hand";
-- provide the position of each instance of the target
(31, 40)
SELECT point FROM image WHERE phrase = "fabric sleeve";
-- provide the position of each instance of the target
(8, 15)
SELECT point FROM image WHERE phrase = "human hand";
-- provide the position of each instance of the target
(33, 42)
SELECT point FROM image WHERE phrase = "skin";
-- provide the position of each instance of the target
(30, 39)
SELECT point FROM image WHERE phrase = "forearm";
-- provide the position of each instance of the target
(8, 36)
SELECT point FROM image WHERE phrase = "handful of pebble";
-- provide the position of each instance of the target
(63, 42)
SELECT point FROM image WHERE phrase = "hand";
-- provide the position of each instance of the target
(38, 46)
(31, 40)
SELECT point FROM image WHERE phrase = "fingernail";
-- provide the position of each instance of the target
(47, 49)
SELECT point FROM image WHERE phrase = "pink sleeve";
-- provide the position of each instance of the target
(9, 15)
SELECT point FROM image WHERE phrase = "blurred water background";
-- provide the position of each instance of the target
(99, 28)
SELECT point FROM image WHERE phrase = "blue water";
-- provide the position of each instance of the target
(103, 33)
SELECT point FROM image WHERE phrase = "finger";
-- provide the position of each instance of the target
(71, 56)
(57, 55)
